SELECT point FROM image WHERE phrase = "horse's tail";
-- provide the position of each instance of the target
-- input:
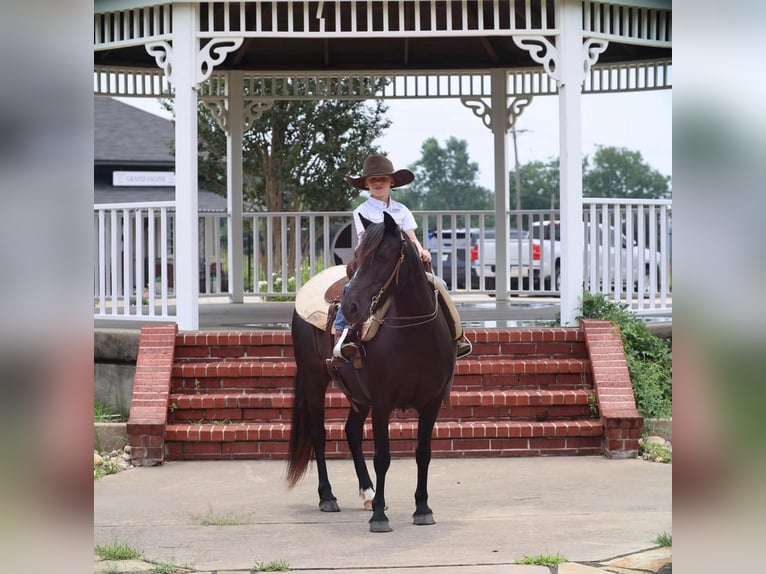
(301, 449)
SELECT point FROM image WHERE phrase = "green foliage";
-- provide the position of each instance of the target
(665, 539)
(166, 568)
(296, 154)
(273, 566)
(619, 172)
(277, 281)
(650, 361)
(539, 182)
(105, 468)
(103, 413)
(445, 178)
(116, 550)
(542, 560)
(654, 452)
(611, 172)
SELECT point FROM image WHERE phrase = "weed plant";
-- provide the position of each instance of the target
(542, 560)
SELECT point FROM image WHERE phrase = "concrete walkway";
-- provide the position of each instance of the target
(223, 517)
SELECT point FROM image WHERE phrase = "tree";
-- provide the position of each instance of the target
(619, 172)
(612, 172)
(445, 178)
(539, 184)
(296, 155)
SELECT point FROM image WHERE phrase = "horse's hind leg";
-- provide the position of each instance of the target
(354, 429)
(426, 420)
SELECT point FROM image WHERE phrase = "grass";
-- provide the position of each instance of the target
(221, 520)
(115, 550)
(103, 413)
(104, 469)
(273, 566)
(542, 560)
(166, 568)
(665, 539)
(213, 519)
(655, 452)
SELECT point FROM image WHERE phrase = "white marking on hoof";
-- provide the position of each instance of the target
(367, 495)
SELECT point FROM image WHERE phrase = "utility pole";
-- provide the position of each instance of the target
(516, 168)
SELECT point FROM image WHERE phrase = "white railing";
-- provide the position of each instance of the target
(133, 276)
(135, 250)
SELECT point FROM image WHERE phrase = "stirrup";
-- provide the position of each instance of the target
(336, 350)
(464, 347)
(344, 350)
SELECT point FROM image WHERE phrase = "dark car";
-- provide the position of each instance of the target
(449, 245)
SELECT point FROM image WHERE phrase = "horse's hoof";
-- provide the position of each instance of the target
(380, 526)
(423, 519)
(329, 506)
(368, 504)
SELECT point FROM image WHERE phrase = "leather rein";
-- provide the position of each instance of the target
(394, 276)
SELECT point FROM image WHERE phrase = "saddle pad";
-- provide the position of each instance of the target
(310, 303)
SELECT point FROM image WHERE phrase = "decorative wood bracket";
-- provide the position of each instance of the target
(209, 56)
(253, 109)
(592, 49)
(483, 111)
(542, 51)
(213, 53)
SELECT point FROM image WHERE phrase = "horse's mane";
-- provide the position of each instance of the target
(371, 239)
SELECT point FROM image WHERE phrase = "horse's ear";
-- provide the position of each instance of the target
(365, 222)
(390, 224)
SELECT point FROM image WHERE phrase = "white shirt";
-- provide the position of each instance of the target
(373, 210)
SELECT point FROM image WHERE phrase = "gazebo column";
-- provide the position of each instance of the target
(500, 117)
(570, 53)
(234, 183)
(499, 124)
(567, 63)
(186, 247)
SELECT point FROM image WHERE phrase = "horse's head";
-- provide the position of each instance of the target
(379, 258)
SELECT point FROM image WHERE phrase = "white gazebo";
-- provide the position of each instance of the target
(494, 55)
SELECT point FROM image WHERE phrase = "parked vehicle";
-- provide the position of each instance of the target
(449, 254)
(539, 259)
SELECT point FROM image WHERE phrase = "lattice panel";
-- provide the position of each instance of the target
(131, 82)
(380, 17)
(629, 77)
(628, 24)
(641, 76)
(132, 27)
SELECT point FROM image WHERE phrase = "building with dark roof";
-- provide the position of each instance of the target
(131, 145)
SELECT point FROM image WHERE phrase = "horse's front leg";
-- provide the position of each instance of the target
(379, 520)
(426, 420)
(354, 436)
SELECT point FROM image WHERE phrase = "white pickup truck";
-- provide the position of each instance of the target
(536, 255)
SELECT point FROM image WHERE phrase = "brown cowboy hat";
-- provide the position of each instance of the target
(380, 165)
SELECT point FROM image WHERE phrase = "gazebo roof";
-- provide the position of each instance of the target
(390, 35)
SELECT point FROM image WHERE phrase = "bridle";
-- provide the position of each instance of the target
(409, 321)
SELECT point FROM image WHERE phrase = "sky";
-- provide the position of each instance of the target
(637, 121)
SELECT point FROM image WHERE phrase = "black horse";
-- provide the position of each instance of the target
(408, 364)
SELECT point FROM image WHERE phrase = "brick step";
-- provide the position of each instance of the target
(470, 374)
(465, 405)
(275, 345)
(238, 344)
(450, 439)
